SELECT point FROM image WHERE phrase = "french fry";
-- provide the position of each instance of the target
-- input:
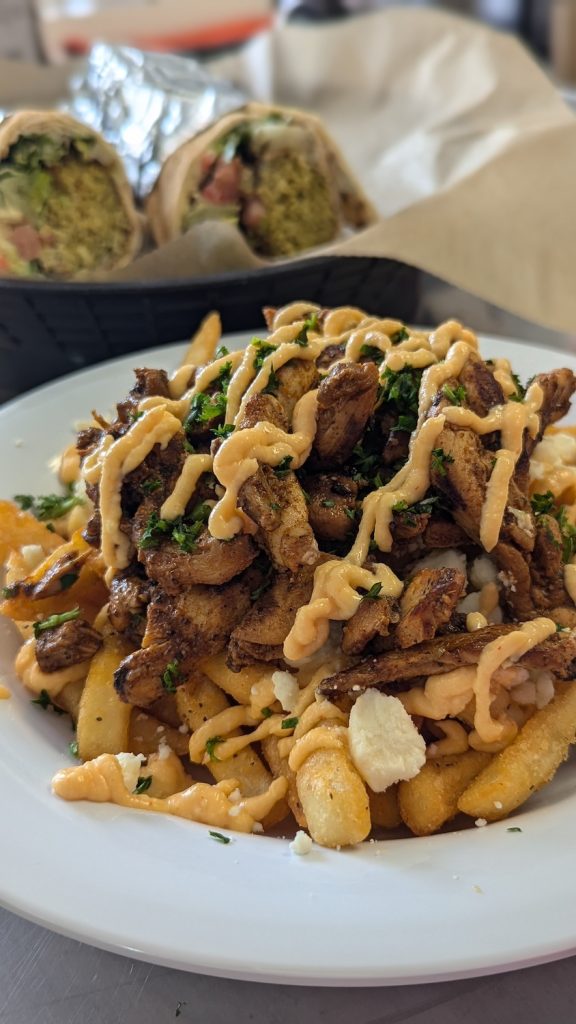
(198, 701)
(430, 799)
(204, 343)
(384, 809)
(237, 684)
(333, 798)
(530, 761)
(147, 732)
(279, 766)
(69, 698)
(19, 528)
(103, 719)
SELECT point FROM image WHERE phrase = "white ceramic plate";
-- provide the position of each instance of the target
(158, 888)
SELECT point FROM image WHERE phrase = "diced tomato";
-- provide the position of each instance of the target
(224, 186)
(253, 212)
(26, 240)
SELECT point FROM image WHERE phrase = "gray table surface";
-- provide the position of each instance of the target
(47, 979)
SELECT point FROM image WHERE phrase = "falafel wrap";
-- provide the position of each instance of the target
(273, 172)
(66, 206)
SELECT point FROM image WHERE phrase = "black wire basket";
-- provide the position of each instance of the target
(49, 329)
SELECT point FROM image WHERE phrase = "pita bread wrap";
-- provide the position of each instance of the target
(66, 207)
(273, 172)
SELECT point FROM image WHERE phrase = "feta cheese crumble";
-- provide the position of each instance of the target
(301, 844)
(130, 767)
(286, 689)
(385, 745)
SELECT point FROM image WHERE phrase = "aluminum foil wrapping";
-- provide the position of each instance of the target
(147, 104)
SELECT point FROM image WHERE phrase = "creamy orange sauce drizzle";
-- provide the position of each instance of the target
(286, 351)
(454, 741)
(36, 680)
(242, 453)
(192, 470)
(293, 311)
(180, 407)
(112, 462)
(323, 737)
(101, 781)
(502, 372)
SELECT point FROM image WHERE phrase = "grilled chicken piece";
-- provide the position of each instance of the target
(558, 387)
(444, 533)
(129, 597)
(148, 383)
(161, 467)
(463, 476)
(261, 634)
(483, 391)
(65, 645)
(139, 678)
(434, 657)
(547, 565)
(61, 575)
(185, 629)
(294, 380)
(427, 603)
(276, 504)
(373, 619)
(346, 399)
(212, 562)
(332, 506)
(330, 354)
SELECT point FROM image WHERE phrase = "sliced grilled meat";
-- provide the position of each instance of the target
(373, 619)
(346, 399)
(262, 632)
(212, 562)
(130, 594)
(330, 354)
(547, 565)
(558, 387)
(462, 477)
(140, 677)
(263, 408)
(515, 577)
(294, 380)
(148, 384)
(201, 618)
(332, 506)
(444, 533)
(69, 644)
(59, 577)
(427, 603)
(557, 653)
(483, 391)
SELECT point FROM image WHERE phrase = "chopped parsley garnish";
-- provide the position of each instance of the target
(266, 712)
(153, 483)
(401, 389)
(135, 415)
(154, 531)
(520, 390)
(144, 783)
(68, 580)
(53, 621)
(211, 745)
(223, 431)
(440, 459)
(73, 748)
(221, 351)
(275, 506)
(50, 506)
(219, 839)
(9, 592)
(562, 629)
(184, 530)
(44, 700)
(170, 676)
(272, 385)
(263, 349)
(374, 593)
(327, 503)
(457, 395)
(283, 467)
(399, 336)
(364, 462)
(568, 532)
(410, 512)
(289, 723)
(310, 324)
(371, 353)
(204, 407)
(515, 829)
(351, 513)
(542, 504)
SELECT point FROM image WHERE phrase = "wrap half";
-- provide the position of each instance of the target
(66, 207)
(273, 172)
